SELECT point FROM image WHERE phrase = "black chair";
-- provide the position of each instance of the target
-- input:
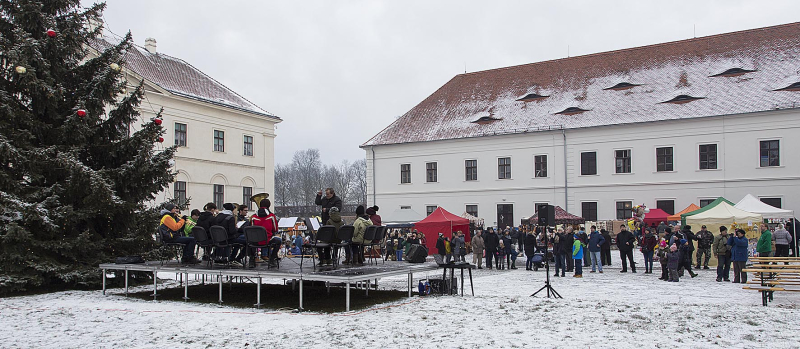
(168, 249)
(203, 241)
(255, 237)
(221, 245)
(369, 235)
(346, 236)
(380, 235)
(324, 238)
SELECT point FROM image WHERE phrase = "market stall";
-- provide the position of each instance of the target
(655, 216)
(402, 218)
(713, 204)
(677, 217)
(441, 221)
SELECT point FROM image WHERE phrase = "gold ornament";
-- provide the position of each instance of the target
(21, 70)
(115, 67)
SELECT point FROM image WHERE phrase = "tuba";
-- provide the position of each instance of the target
(258, 197)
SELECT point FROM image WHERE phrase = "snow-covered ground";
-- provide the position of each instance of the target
(610, 310)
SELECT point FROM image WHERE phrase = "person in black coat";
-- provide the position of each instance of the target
(690, 237)
(508, 250)
(625, 243)
(491, 241)
(566, 248)
(605, 248)
(330, 200)
(205, 221)
(529, 243)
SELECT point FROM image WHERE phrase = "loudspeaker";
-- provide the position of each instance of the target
(547, 215)
(417, 254)
(439, 286)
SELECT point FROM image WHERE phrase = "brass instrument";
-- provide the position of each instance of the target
(258, 197)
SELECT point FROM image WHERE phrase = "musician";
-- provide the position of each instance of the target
(330, 200)
(268, 220)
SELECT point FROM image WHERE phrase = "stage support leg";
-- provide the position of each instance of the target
(301, 294)
(462, 282)
(126, 282)
(155, 285)
(368, 288)
(220, 289)
(410, 277)
(347, 296)
(258, 294)
(471, 286)
(104, 282)
(186, 288)
(180, 282)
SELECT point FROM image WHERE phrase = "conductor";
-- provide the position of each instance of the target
(329, 200)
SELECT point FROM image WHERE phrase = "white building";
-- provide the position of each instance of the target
(663, 125)
(226, 143)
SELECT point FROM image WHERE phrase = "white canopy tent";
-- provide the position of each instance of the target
(402, 218)
(751, 204)
(724, 214)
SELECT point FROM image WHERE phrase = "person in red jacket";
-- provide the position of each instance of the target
(268, 220)
(374, 216)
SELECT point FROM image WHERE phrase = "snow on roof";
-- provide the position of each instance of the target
(664, 72)
(179, 77)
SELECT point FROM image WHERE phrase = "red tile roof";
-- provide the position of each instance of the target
(181, 78)
(662, 71)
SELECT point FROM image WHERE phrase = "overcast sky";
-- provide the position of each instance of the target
(337, 72)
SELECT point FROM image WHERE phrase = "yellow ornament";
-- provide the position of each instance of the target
(114, 66)
(21, 70)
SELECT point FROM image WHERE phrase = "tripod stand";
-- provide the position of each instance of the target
(549, 289)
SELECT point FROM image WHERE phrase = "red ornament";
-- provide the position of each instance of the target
(157, 121)
(51, 33)
(81, 112)
(160, 139)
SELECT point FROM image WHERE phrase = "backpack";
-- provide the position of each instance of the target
(167, 234)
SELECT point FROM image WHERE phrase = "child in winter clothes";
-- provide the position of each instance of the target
(673, 257)
(686, 257)
(662, 258)
(500, 261)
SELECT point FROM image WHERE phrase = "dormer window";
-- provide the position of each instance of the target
(622, 86)
(572, 111)
(682, 99)
(733, 72)
(483, 120)
(532, 97)
(793, 87)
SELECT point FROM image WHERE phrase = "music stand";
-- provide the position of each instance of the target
(547, 286)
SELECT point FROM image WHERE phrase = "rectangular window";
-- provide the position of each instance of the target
(472, 210)
(247, 192)
(624, 209)
(505, 215)
(219, 195)
(588, 163)
(708, 156)
(622, 159)
(667, 205)
(180, 193)
(540, 166)
(405, 173)
(664, 159)
(589, 211)
(180, 134)
(430, 172)
(770, 153)
(248, 145)
(774, 202)
(471, 170)
(504, 168)
(219, 140)
(430, 209)
(705, 202)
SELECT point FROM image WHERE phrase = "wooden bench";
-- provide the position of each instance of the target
(770, 278)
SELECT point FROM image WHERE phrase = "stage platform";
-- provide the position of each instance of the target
(346, 275)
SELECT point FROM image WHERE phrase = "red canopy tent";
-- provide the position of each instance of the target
(441, 221)
(562, 217)
(655, 216)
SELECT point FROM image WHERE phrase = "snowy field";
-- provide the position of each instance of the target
(610, 310)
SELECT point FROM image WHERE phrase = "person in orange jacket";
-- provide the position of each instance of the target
(171, 231)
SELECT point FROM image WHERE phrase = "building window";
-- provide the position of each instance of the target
(180, 193)
(248, 145)
(247, 192)
(774, 202)
(180, 134)
(770, 153)
(219, 195)
(667, 206)
(430, 209)
(472, 210)
(589, 211)
(622, 158)
(471, 170)
(664, 159)
(430, 172)
(588, 163)
(624, 209)
(706, 202)
(405, 173)
(504, 168)
(708, 156)
(540, 166)
(219, 140)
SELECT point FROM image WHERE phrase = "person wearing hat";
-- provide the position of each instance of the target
(704, 240)
(673, 261)
(227, 220)
(374, 216)
(685, 248)
(170, 230)
(625, 242)
(723, 253)
(739, 244)
(764, 245)
(360, 225)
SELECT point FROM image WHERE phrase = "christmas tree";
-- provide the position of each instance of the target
(79, 165)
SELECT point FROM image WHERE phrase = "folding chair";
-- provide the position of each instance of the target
(221, 244)
(369, 235)
(346, 236)
(324, 238)
(203, 241)
(377, 242)
(255, 237)
(166, 248)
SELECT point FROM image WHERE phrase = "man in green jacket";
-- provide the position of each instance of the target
(764, 246)
(723, 253)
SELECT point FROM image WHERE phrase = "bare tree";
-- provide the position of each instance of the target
(296, 184)
(307, 170)
(283, 185)
(358, 172)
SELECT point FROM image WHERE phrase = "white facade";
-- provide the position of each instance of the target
(738, 172)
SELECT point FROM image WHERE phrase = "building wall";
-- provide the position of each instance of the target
(198, 164)
(737, 138)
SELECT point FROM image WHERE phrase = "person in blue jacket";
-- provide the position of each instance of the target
(739, 244)
(577, 255)
(596, 241)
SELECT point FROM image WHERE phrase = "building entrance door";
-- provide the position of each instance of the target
(505, 216)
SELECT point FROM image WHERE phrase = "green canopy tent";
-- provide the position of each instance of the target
(713, 204)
